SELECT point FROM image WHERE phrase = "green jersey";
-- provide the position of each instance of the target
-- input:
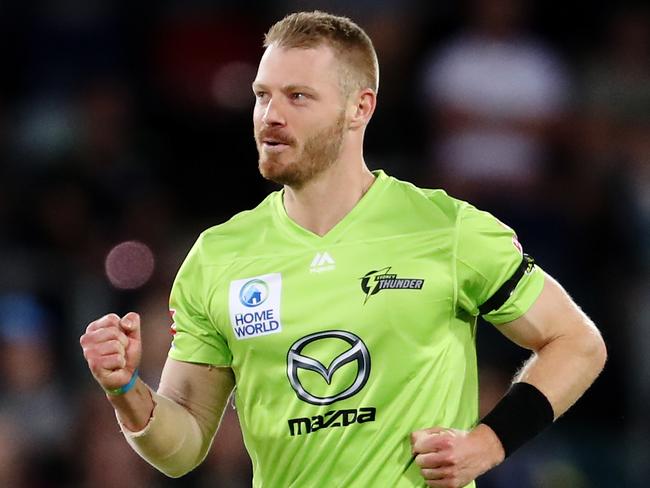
(342, 345)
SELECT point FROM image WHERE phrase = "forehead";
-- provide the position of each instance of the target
(315, 67)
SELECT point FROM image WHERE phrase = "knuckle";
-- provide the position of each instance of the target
(90, 351)
(92, 338)
(106, 335)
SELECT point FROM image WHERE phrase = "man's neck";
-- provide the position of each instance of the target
(324, 202)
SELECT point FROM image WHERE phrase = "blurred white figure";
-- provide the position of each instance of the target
(496, 93)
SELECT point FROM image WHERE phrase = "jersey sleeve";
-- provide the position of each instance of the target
(196, 339)
(488, 257)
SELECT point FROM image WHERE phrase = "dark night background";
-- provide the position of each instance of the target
(133, 121)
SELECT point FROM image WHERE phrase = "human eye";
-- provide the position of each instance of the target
(260, 95)
(298, 96)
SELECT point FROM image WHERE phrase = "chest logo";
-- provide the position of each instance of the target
(327, 344)
(375, 281)
(254, 305)
(322, 262)
(254, 293)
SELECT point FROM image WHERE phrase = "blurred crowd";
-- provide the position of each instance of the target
(132, 121)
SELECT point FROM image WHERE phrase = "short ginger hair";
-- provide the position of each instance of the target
(351, 45)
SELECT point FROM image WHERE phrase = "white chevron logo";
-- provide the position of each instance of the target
(322, 262)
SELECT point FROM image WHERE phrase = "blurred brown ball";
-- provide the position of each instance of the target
(129, 265)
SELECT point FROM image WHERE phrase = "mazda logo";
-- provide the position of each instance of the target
(357, 352)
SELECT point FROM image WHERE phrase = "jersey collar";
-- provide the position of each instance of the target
(336, 234)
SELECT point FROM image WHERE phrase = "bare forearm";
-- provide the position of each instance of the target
(134, 408)
(564, 368)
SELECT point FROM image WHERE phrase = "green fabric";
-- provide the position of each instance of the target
(342, 345)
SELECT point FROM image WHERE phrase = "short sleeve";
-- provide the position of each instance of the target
(488, 254)
(196, 339)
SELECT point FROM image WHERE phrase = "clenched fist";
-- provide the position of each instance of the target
(451, 458)
(112, 348)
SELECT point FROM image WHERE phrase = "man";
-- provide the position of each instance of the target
(344, 306)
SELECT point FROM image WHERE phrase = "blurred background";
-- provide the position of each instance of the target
(131, 121)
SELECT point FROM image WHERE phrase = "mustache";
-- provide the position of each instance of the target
(275, 135)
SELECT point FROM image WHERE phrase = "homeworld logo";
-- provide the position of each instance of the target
(253, 293)
(375, 281)
(255, 306)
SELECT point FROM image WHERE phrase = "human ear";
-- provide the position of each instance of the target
(361, 107)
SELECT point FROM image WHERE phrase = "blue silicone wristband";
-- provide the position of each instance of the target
(123, 389)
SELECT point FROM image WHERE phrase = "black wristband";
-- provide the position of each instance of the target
(519, 416)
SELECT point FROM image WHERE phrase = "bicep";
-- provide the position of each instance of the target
(202, 389)
(553, 315)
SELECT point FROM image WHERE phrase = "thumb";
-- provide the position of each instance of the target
(130, 324)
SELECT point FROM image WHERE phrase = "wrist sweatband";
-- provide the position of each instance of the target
(519, 416)
(123, 389)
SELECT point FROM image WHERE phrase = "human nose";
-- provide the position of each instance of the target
(272, 114)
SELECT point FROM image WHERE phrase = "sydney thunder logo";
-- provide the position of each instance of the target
(375, 281)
